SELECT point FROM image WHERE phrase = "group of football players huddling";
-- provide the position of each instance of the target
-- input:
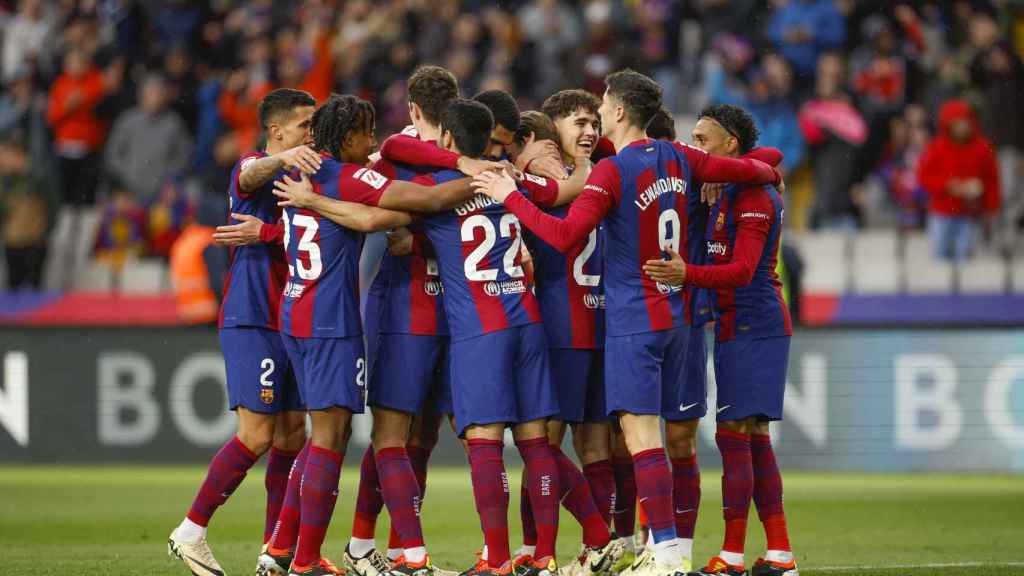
(545, 270)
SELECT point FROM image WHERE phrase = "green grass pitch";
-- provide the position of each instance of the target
(115, 521)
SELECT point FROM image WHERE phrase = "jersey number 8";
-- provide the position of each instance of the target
(307, 244)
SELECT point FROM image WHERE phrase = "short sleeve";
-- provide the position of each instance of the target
(363, 185)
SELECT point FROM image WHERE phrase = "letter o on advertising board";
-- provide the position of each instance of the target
(195, 369)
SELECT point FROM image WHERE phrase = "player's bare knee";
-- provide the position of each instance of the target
(290, 431)
(681, 438)
(592, 442)
(390, 428)
(762, 427)
(255, 430)
(425, 429)
(485, 431)
(738, 426)
(331, 428)
(556, 432)
(642, 432)
(530, 430)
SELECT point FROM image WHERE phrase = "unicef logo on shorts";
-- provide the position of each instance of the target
(593, 301)
(492, 289)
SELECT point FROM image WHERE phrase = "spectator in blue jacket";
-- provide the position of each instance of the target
(804, 29)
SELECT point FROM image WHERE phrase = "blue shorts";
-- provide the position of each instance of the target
(694, 402)
(751, 377)
(578, 378)
(502, 377)
(331, 371)
(644, 373)
(259, 375)
(407, 369)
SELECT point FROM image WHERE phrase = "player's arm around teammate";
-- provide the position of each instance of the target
(752, 342)
(261, 384)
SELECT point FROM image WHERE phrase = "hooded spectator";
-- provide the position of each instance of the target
(959, 171)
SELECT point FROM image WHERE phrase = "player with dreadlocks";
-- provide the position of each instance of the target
(320, 324)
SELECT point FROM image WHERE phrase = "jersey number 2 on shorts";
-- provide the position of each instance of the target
(506, 225)
(267, 365)
(307, 244)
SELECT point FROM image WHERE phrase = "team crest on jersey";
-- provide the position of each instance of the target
(720, 222)
(267, 395)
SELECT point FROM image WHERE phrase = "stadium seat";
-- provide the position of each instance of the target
(986, 274)
(875, 264)
(94, 276)
(145, 276)
(924, 274)
(71, 244)
(1017, 275)
(826, 262)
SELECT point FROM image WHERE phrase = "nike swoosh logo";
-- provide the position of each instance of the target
(597, 568)
(687, 407)
(726, 407)
(678, 511)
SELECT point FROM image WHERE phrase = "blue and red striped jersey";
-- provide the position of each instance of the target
(743, 231)
(409, 287)
(701, 307)
(321, 297)
(570, 289)
(478, 247)
(256, 272)
(649, 181)
(641, 195)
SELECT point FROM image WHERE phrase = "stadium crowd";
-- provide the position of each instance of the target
(136, 109)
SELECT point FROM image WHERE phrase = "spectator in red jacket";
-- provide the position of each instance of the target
(960, 174)
(78, 132)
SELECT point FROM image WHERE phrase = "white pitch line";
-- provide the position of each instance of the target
(910, 566)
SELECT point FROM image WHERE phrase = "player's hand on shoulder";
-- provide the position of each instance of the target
(497, 185)
(671, 271)
(709, 193)
(533, 149)
(247, 231)
(400, 242)
(548, 166)
(474, 166)
(301, 158)
(297, 193)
